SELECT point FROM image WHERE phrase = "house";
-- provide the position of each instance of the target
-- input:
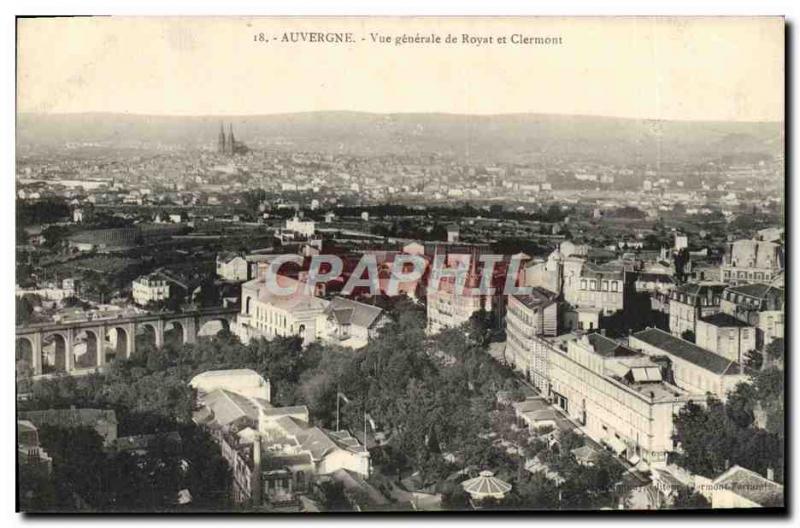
(739, 487)
(233, 268)
(760, 305)
(726, 335)
(603, 287)
(351, 323)
(452, 233)
(690, 302)
(535, 414)
(150, 288)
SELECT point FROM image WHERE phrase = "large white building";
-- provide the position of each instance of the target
(269, 315)
(618, 395)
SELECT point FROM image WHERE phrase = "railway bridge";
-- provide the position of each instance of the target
(72, 347)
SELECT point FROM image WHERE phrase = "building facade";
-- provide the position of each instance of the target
(150, 288)
(528, 317)
(617, 395)
(748, 261)
(727, 336)
(265, 314)
(690, 302)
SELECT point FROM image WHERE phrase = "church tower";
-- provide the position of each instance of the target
(221, 141)
(231, 140)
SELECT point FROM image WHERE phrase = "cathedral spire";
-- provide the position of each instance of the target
(221, 141)
(231, 140)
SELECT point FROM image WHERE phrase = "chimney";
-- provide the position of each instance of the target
(770, 474)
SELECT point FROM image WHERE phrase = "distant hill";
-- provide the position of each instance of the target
(512, 137)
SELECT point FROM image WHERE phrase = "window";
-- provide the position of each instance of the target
(593, 285)
(613, 286)
(583, 284)
(605, 285)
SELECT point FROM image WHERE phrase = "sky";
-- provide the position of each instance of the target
(653, 68)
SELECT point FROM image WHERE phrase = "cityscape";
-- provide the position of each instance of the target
(398, 312)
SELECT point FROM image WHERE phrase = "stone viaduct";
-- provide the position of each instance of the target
(106, 338)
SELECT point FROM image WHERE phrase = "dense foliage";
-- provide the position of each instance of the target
(747, 429)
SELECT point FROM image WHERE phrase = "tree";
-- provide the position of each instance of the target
(688, 499)
(332, 496)
(776, 351)
(754, 360)
(715, 437)
(454, 498)
(688, 335)
(23, 310)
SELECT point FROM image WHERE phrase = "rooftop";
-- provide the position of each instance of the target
(752, 486)
(723, 320)
(757, 290)
(607, 347)
(347, 311)
(688, 351)
(538, 297)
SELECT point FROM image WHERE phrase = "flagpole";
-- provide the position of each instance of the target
(337, 410)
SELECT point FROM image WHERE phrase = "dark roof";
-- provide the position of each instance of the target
(538, 297)
(608, 347)
(655, 277)
(757, 290)
(281, 411)
(699, 289)
(348, 311)
(723, 320)
(688, 351)
(270, 462)
(752, 486)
